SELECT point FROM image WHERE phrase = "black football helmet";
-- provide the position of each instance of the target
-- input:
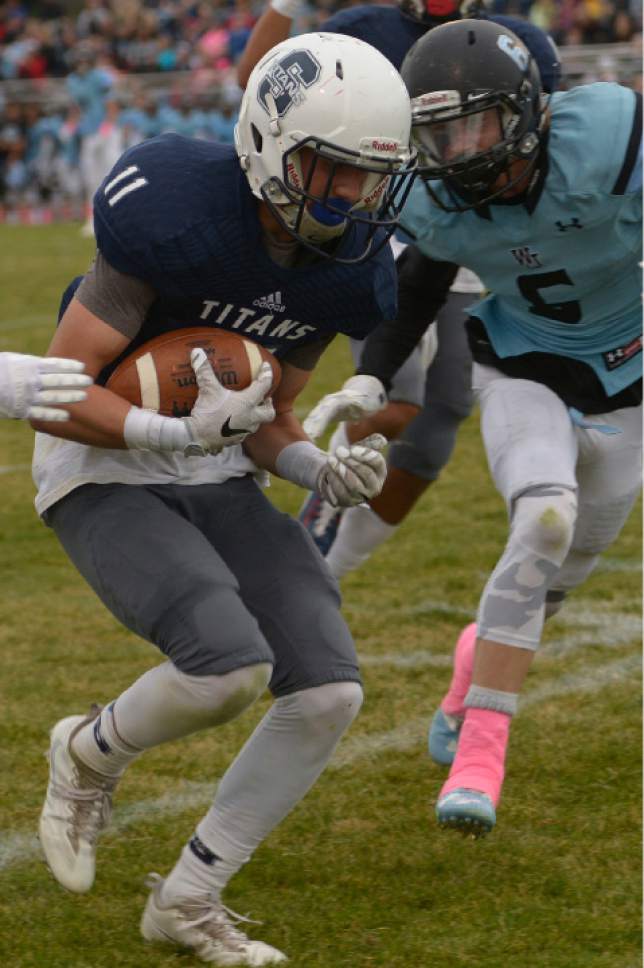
(477, 107)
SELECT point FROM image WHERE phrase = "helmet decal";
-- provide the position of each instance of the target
(518, 53)
(328, 159)
(286, 80)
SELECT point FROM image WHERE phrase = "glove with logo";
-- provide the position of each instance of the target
(360, 395)
(36, 387)
(219, 418)
(222, 417)
(354, 474)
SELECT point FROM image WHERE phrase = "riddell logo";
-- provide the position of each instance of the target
(384, 145)
(437, 97)
(273, 301)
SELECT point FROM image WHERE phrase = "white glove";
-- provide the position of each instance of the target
(287, 8)
(222, 417)
(34, 387)
(360, 395)
(354, 474)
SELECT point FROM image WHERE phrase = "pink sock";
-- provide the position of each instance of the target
(480, 756)
(452, 704)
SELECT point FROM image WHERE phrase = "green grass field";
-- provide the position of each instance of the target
(359, 875)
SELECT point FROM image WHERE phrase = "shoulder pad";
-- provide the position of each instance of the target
(157, 190)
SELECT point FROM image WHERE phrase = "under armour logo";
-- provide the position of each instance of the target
(622, 354)
(525, 257)
(573, 224)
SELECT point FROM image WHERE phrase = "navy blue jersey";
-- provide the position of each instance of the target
(179, 214)
(390, 32)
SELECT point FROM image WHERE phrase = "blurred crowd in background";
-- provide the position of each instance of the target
(82, 81)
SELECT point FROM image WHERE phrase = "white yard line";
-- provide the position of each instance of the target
(14, 468)
(22, 848)
(409, 660)
(414, 732)
(619, 564)
(435, 605)
(599, 628)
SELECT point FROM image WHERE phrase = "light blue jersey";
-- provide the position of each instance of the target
(562, 267)
(90, 91)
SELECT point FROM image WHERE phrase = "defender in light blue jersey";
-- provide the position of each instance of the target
(561, 264)
(542, 198)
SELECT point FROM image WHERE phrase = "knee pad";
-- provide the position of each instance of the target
(212, 700)
(324, 711)
(513, 604)
(543, 522)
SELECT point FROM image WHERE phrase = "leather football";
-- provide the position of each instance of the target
(158, 376)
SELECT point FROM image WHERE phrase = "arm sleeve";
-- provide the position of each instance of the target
(120, 300)
(423, 285)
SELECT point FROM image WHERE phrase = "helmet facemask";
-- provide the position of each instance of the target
(303, 203)
(478, 113)
(473, 147)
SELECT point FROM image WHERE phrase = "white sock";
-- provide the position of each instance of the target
(338, 438)
(360, 532)
(275, 769)
(99, 745)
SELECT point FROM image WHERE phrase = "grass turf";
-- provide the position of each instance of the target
(358, 875)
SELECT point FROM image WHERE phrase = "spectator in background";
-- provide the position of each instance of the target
(222, 124)
(12, 146)
(68, 161)
(47, 10)
(14, 15)
(239, 25)
(200, 41)
(139, 121)
(94, 19)
(90, 88)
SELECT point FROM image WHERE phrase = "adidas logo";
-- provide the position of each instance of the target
(272, 301)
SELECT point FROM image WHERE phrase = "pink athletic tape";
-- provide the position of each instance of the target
(479, 763)
(452, 704)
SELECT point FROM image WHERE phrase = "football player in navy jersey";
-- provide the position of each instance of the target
(37, 388)
(518, 188)
(430, 395)
(283, 239)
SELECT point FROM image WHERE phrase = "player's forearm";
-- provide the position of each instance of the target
(271, 28)
(98, 421)
(270, 440)
(423, 287)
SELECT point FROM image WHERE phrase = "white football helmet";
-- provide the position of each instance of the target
(342, 100)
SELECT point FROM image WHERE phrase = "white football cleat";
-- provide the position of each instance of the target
(205, 926)
(77, 808)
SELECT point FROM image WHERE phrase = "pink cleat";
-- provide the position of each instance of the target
(469, 797)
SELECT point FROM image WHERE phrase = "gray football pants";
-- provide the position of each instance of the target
(213, 575)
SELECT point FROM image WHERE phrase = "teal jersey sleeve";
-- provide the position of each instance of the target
(562, 271)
